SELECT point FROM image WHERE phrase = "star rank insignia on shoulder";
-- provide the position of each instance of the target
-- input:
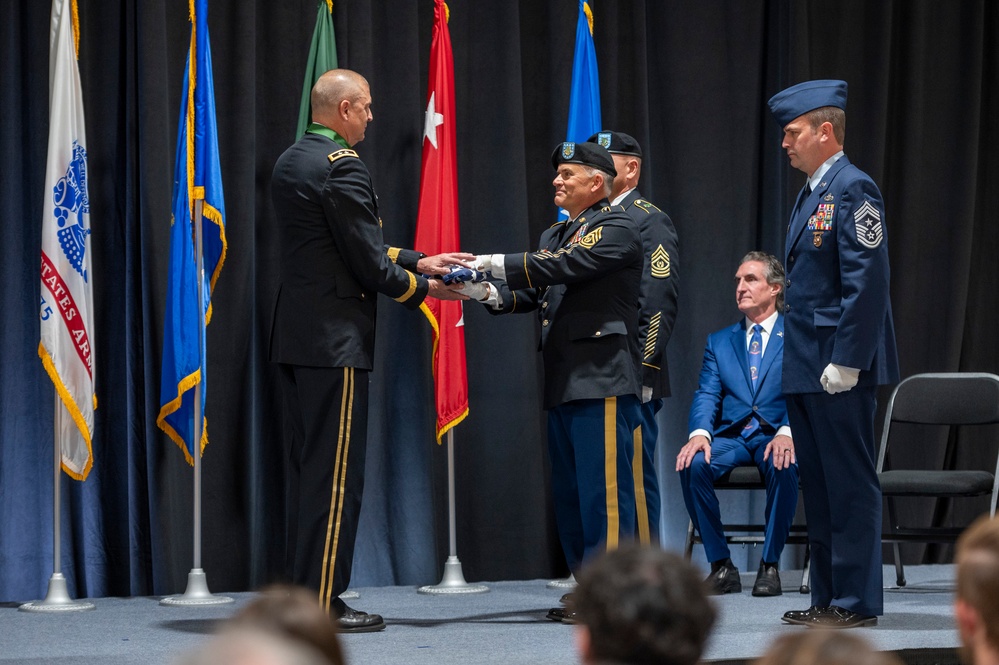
(340, 154)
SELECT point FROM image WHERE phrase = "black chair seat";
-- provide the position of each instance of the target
(910, 482)
(742, 478)
(952, 400)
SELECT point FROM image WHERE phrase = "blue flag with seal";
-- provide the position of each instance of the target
(197, 200)
(584, 95)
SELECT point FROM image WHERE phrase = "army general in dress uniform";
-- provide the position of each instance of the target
(584, 282)
(333, 265)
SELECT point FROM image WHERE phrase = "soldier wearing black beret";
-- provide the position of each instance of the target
(583, 282)
(658, 303)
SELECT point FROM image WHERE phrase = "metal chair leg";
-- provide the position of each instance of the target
(806, 573)
(893, 526)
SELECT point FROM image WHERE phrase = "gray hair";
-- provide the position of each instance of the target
(608, 178)
(773, 272)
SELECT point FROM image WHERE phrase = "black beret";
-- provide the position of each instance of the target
(617, 143)
(588, 154)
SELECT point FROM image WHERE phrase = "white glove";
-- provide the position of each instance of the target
(475, 290)
(646, 394)
(483, 262)
(838, 379)
(491, 263)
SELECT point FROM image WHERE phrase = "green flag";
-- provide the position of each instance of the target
(322, 58)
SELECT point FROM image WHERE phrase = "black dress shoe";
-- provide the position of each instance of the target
(802, 617)
(837, 617)
(566, 598)
(562, 615)
(767, 581)
(355, 621)
(724, 580)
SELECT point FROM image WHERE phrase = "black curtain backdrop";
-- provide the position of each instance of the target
(689, 79)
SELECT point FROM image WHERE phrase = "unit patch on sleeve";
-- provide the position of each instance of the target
(868, 222)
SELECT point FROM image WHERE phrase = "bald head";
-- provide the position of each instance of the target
(341, 100)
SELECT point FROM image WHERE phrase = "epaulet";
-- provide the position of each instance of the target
(561, 221)
(340, 154)
(646, 206)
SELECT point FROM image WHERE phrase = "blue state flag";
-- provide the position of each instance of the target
(197, 188)
(584, 98)
(584, 95)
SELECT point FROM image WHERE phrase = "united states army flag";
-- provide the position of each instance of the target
(66, 346)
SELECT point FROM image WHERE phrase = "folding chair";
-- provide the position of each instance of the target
(747, 477)
(952, 400)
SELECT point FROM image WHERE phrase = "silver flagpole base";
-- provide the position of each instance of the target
(197, 592)
(567, 583)
(57, 599)
(349, 595)
(453, 581)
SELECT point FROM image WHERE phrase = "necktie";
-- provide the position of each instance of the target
(755, 354)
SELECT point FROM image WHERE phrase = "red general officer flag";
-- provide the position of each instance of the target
(437, 227)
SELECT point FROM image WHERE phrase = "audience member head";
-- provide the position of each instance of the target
(247, 647)
(824, 647)
(640, 604)
(293, 613)
(976, 606)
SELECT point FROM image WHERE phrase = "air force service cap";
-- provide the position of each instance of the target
(588, 154)
(617, 143)
(799, 99)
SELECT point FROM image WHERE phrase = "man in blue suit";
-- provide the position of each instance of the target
(839, 346)
(739, 417)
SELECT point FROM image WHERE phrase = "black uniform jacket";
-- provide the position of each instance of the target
(660, 288)
(584, 281)
(333, 258)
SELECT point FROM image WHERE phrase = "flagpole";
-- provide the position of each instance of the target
(57, 599)
(197, 592)
(453, 580)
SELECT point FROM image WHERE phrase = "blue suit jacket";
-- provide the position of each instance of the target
(837, 303)
(724, 399)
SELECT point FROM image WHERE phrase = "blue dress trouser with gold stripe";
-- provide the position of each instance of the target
(591, 446)
(647, 501)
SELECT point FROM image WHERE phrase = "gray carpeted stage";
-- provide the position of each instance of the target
(506, 625)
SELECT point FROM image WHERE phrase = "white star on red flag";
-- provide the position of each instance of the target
(433, 120)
